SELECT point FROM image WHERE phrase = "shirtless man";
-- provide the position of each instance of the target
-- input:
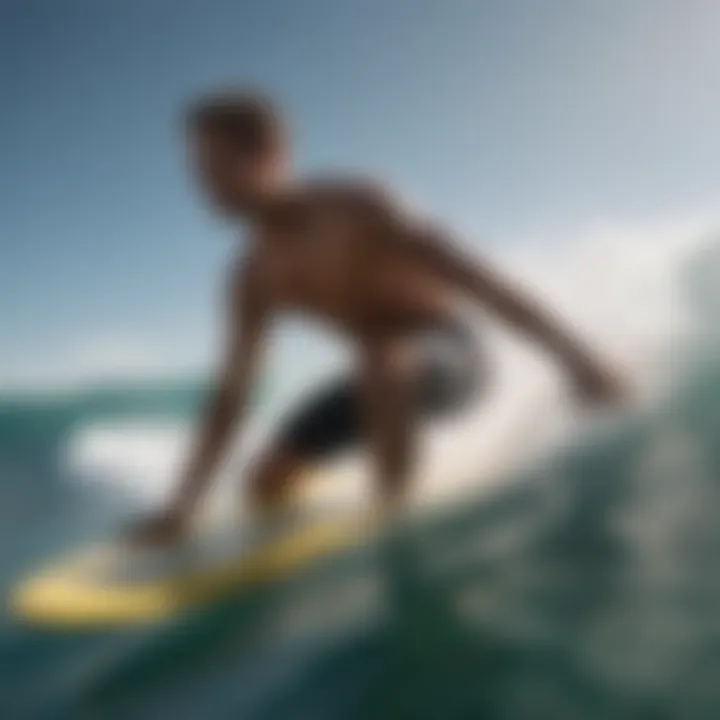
(345, 252)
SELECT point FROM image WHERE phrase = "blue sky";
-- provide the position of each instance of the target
(508, 118)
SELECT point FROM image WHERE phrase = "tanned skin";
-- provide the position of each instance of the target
(345, 252)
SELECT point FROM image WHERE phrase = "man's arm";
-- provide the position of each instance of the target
(433, 249)
(247, 313)
(511, 303)
(233, 384)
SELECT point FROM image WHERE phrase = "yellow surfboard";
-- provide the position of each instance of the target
(114, 585)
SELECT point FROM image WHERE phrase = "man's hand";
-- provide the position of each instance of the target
(164, 528)
(597, 385)
(594, 383)
(247, 314)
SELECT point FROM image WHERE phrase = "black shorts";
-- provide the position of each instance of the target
(452, 372)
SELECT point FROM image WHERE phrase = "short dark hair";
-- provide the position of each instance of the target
(249, 117)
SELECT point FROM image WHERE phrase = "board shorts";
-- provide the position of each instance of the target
(452, 372)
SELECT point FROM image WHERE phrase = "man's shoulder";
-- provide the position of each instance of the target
(362, 193)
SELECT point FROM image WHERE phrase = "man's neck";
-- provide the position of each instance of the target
(258, 209)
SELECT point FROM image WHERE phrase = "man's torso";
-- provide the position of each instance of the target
(329, 251)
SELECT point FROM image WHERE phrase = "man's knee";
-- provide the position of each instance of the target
(271, 477)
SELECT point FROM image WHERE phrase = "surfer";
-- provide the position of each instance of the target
(345, 251)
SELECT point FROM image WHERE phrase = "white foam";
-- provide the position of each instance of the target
(137, 458)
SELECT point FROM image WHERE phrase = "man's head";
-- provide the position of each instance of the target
(238, 148)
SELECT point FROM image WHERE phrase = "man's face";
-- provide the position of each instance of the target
(233, 177)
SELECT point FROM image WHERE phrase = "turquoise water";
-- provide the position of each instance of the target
(589, 590)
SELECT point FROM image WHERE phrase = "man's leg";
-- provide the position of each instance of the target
(395, 382)
(273, 475)
(389, 399)
(328, 424)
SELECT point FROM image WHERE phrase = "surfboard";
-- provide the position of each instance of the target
(113, 584)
